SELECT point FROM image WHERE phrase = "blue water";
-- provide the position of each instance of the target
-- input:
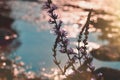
(36, 47)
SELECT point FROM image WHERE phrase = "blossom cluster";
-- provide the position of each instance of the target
(62, 43)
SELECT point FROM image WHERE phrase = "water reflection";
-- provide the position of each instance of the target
(8, 36)
(108, 32)
(11, 67)
(8, 44)
(30, 37)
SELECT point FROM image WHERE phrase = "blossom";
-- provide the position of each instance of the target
(65, 41)
(62, 50)
(70, 51)
(63, 33)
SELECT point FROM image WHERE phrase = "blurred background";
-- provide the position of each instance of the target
(26, 38)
